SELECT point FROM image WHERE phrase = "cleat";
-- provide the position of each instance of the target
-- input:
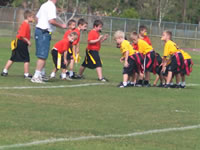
(103, 80)
(28, 77)
(121, 85)
(4, 74)
(37, 80)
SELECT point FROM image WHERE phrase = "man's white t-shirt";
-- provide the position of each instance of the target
(46, 12)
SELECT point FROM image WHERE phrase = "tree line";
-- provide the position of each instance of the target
(187, 11)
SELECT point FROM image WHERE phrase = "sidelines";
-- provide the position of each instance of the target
(49, 87)
(82, 138)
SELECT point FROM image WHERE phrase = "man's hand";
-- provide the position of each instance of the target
(64, 26)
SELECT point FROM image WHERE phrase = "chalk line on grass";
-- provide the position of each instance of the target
(50, 87)
(84, 138)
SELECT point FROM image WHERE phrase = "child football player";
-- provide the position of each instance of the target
(143, 34)
(92, 58)
(128, 58)
(149, 58)
(59, 54)
(175, 63)
(20, 52)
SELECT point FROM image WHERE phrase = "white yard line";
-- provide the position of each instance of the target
(50, 87)
(84, 138)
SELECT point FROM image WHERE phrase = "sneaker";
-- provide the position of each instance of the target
(45, 78)
(131, 85)
(37, 80)
(121, 85)
(68, 78)
(147, 85)
(182, 86)
(103, 80)
(173, 86)
(178, 86)
(168, 86)
(79, 77)
(4, 74)
(28, 77)
(138, 85)
(160, 85)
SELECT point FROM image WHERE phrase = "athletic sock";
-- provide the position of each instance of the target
(63, 75)
(53, 74)
(43, 73)
(26, 74)
(5, 70)
(125, 83)
(183, 83)
(37, 74)
(71, 73)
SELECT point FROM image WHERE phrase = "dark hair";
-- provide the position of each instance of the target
(97, 23)
(82, 22)
(169, 33)
(70, 22)
(27, 13)
(134, 33)
(142, 27)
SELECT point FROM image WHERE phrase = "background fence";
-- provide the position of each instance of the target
(186, 35)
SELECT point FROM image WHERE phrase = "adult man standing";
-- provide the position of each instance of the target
(46, 20)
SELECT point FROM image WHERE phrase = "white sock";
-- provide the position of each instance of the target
(37, 74)
(63, 75)
(71, 73)
(43, 72)
(53, 74)
(183, 83)
(133, 83)
(5, 70)
(125, 83)
(171, 83)
(26, 74)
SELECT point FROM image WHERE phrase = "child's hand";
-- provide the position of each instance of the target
(65, 61)
(122, 59)
(105, 37)
(29, 43)
(126, 64)
(163, 69)
(100, 37)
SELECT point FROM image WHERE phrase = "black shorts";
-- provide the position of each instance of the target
(187, 67)
(158, 63)
(132, 66)
(177, 63)
(20, 53)
(92, 59)
(54, 54)
(139, 60)
(150, 58)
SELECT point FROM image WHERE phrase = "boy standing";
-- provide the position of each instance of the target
(143, 34)
(20, 53)
(92, 58)
(175, 63)
(59, 53)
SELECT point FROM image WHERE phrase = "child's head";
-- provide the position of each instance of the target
(166, 35)
(119, 37)
(134, 37)
(72, 36)
(143, 30)
(28, 15)
(71, 24)
(82, 24)
(98, 24)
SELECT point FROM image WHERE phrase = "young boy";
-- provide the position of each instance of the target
(175, 62)
(188, 63)
(92, 58)
(59, 54)
(143, 34)
(129, 58)
(149, 58)
(20, 53)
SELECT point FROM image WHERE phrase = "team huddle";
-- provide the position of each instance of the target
(138, 56)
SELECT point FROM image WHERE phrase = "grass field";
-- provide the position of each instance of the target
(51, 114)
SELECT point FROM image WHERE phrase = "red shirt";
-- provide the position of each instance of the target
(24, 31)
(62, 45)
(147, 39)
(93, 35)
(135, 47)
(70, 31)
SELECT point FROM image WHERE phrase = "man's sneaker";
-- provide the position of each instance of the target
(168, 86)
(37, 80)
(103, 80)
(4, 74)
(28, 77)
(45, 78)
(121, 85)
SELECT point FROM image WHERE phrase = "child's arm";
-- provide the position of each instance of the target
(95, 41)
(126, 59)
(164, 64)
(25, 39)
(104, 38)
(65, 57)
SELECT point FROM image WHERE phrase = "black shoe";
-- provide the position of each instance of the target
(178, 86)
(182, 86)
(121, 85)
(80, 77)
(173, 86)
(168, 86)
(131, 85)
(138, 85)
(4, 74)
(147, 85)
(45, 78)
(160, 85)
(103, 80)
(28, 77)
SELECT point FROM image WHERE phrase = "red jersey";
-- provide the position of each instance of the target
(147, 39)
(62, 45)
(94, 35)
(70, 31)
(24, 31)
(135, 47)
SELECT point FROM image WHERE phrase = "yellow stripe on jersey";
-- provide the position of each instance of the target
(126, 46)
(144, 47)
(185, 54)
(170, 48)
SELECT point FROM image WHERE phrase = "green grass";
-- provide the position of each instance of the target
(38, 114)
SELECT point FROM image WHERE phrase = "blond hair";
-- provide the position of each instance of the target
(119, 34)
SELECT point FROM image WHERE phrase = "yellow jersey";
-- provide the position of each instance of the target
(126, 46)
(144, 47)
(170, 48)
(185, 55)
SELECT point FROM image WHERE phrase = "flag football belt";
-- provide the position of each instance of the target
(13, 44)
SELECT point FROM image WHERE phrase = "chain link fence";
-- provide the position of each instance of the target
(186, 35)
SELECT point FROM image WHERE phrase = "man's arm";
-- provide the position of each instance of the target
(55, 23)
